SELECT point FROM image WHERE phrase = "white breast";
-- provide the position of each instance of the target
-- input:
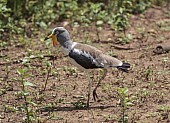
(66, 51)
(74, 44)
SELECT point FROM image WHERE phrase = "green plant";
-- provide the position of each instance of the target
(165, 61)
(86, 37)
(56, 73)
(139, 6)
(124, 39)
(165, 111)
(148, 73)
(9, 108)
(120, 20)
(20, 16)
(111, 53)
(159, 2)
(121, 16)
(30, 114)
(70, 71)
(125, 102)
(78, 104)
(141, 96)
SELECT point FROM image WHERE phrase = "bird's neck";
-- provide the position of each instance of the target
(67, 44)
(66, 47)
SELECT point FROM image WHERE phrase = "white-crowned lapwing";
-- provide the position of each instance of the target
(85, 57)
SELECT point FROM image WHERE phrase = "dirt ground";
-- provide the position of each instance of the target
(148, 80)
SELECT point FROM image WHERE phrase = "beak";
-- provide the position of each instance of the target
(54, 38)
(48, 37)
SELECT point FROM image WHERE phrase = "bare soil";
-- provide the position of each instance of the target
(148, 80)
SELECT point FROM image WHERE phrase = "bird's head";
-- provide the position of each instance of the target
(59, 34)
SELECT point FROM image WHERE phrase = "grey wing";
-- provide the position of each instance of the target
(100, 60)
(107, 61)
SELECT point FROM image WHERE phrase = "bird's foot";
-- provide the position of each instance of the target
(95, 95)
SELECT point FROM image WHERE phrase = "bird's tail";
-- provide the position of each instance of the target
(124, 67)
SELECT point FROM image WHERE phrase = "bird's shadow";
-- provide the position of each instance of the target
(71, 108)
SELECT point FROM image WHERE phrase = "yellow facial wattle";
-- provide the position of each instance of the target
(54, 39)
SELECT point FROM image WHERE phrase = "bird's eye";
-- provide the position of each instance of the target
(56, 32)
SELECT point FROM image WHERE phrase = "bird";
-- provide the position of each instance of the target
(86, 57)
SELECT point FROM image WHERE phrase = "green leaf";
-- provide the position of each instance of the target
(48, 64)
(25, 60)
(28, 84)
(29, 100)
(125, 90)
(32, 56)
(20, 71)
(100, 22)
(129, 103)
(25, 93)
(34, 104)
(42, 24)
(22, 93)
(129, 36)
(26, 75)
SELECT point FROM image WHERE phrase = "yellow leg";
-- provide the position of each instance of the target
(89, 89)
(104, 72)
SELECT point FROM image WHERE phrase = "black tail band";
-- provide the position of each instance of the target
(124, 67)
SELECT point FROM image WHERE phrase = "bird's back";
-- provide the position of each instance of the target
(90, 57)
